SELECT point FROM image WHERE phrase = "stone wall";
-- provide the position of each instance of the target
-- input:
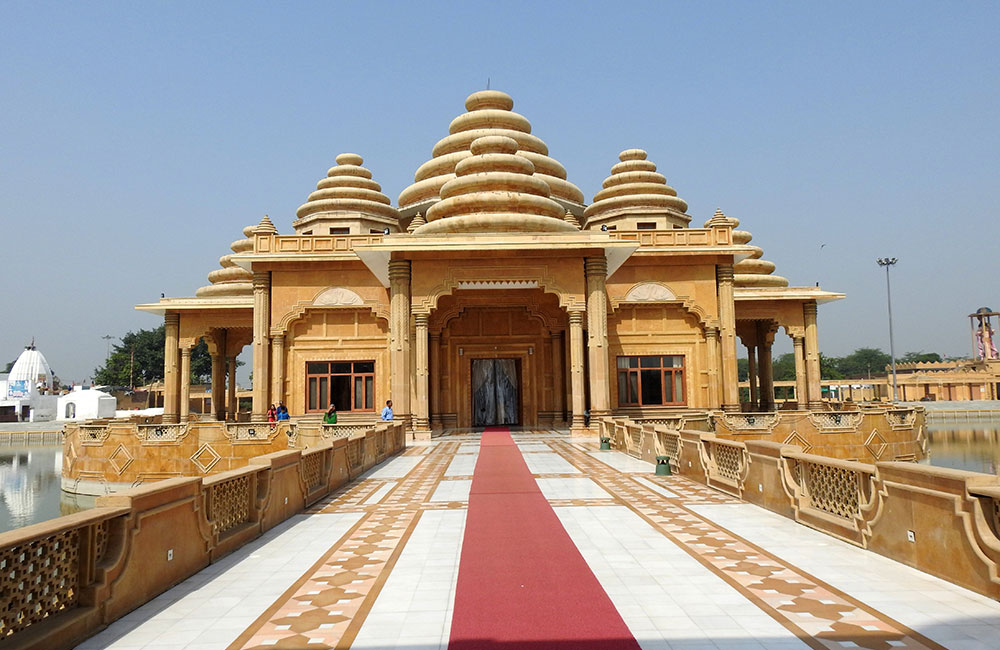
(65, 579)
(942, 521)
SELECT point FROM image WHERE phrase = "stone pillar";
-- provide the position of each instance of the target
(558, 378)
(422, 375)
(727, 330)
(219, 385)
(812, 356)
(801, 385)
(596, 270)
(185, 396)
(399, 337)
(579, 403)
(261, 325)
(434, 376)
(714, 392)
(752, 375)
(232, 406)
(766, 370)
(171, 373)
(278, 369)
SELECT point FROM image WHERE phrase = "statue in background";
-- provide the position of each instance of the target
(987, 349)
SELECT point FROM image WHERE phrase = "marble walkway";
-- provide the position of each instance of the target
(375, 565)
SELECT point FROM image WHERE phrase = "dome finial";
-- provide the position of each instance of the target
(265, 226)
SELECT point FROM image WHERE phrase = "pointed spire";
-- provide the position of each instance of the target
(720, 219)
(265, 226)
(571, 219)
(417, 221)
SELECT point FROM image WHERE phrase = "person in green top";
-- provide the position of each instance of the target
(331, 415)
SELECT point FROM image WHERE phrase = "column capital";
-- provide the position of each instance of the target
(278, 339)
(399, 269)
(171, 318)
(186, 351)
(810, 308)
(576, 317)
(261, 280)
(421, 320)
(797, 339)
(724, 273)
(712, 332)
(596, 266)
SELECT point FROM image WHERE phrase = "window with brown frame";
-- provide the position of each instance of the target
(349, 385)
(651, 381)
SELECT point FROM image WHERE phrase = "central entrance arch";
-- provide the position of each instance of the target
(496, 392)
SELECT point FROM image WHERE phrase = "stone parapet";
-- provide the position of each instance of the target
(942, 521)
(67, 578)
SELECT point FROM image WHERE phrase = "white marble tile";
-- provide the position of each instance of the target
(532, 446)
(622, 462)
(452, 490)
(379, 494)
(462, 465)
(394, 468)
(262, 570)
(659, 489)
(413, 609)
(571, 488)
(942, 611)
(549, 462)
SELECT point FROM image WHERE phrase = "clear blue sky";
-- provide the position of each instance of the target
(139, 138)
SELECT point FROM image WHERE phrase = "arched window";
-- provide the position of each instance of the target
(70, 410)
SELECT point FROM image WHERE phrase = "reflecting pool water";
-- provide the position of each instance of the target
(30, 490)
(973, 447)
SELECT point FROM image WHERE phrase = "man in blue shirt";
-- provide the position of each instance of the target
(387, 411)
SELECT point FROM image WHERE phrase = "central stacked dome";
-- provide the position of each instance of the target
(490, 113)
(495, 190)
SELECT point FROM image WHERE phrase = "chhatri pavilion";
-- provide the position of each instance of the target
(493, 294)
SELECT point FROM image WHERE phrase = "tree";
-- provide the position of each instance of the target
(828, 367)
(863, 362)
(783, 367)
(138, 360)
(920, 357)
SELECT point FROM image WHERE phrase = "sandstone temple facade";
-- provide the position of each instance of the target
(492, 293)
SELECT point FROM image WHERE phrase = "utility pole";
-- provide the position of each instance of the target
(888, 262)
(109, 338)
(131, 364)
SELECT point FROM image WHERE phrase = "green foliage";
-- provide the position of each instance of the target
(920, 357)
(828, 367)
(743, 369)
(863, 362)
(784, 367)
(147, 363)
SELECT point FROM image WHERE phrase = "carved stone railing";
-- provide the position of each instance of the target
(829, 491)
(65, 579)
(312, 244)
(668, 443)
(678, 237)
(750, 421)
(256, 431)
(901, 418)
(51, 568)
(94, 434)
(829, 421)
(334, 431)
(161, 433)
(726, 463)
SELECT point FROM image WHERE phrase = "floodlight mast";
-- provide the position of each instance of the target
(887, 262)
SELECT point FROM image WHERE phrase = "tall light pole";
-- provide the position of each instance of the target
(888, 262)
(109, 338)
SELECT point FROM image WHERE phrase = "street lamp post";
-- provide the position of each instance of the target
(887, 262)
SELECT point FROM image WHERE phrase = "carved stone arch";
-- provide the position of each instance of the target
(451, 313)
(659, 293)
(568, 300)
(329, 298)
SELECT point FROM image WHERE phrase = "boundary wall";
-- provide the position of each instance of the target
(941, 521)
(65, 579)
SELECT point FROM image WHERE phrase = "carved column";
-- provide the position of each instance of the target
(422, 375)
(232, 407)
(171, 374)
(434, 376)
(727, 327)
(596, 270)
(278, 369)
(752, 374)
(812, 356)
(399, 337)
(185, 396)
(714, 392)
(801, 385)
(558, 378)
(261, 325)
(219, 385)
(766, 377)
(579, 403)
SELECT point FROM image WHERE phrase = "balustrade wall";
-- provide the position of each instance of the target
(63, 580)
(942, 521)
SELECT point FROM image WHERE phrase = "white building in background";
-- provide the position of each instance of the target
(26, 395)
(84, 404)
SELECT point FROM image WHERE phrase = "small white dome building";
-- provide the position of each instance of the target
(85, 404)
(26, 394)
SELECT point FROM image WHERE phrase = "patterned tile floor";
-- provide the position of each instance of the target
(375, 566)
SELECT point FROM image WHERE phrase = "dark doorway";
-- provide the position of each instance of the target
(495, 392)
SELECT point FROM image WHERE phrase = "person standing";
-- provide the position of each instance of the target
(331, 415)
(282, 411)
(387, 411)
(272, 414)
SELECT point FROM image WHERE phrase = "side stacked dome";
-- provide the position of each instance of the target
(753, 271)
(495, 190)
(636, 191)
(232, 280)
(346, 198)
(490, 113)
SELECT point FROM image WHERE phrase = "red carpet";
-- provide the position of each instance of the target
(522, 583)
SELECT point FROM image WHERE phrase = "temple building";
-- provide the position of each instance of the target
(492, 293)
